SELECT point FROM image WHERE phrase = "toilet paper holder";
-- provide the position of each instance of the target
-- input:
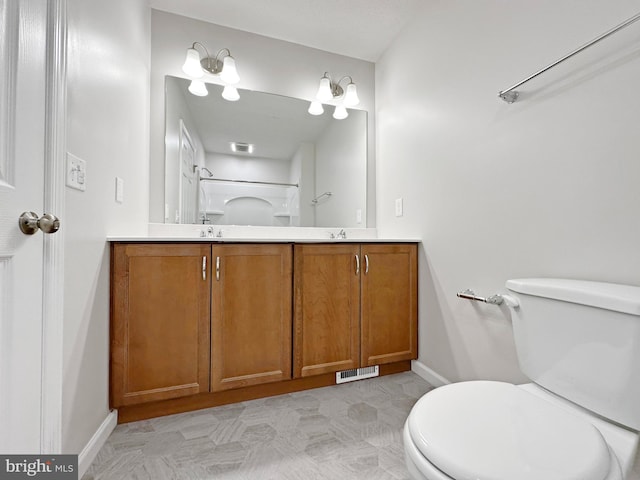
(496, 299)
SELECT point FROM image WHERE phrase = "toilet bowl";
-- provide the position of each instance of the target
(499, 431)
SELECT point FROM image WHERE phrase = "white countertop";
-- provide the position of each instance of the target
(158, 232)
(259, 240)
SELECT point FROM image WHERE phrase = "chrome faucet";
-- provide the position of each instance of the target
(341, 234)
(210, 232)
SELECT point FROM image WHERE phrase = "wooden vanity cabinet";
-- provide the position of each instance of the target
(251, 315)
(159, 321)
(194, 325)
(389, 304)
(355, 306)
(327, 309)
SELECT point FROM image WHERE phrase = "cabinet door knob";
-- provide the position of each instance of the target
(204, 267)
(366, 264)
(218, 268)
(357, 264)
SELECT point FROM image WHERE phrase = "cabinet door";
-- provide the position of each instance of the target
(389, 303)
(160, 322)
(327, 309)
(251, 315)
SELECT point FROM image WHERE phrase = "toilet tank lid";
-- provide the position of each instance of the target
(610, 296)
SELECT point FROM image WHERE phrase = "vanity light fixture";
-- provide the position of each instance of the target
(329, 90)
(316, 108)
(340, 112)
(230, 93)
(197, 87)
(223, 65)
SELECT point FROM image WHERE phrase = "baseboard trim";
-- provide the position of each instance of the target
(429, 375)
(94, 445)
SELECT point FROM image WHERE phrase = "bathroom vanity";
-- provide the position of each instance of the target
(201, 323)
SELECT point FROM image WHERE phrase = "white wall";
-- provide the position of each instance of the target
(251, 168)
(108, 126)
(547, 186)
(264, 64)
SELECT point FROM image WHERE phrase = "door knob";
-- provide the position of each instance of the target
(29, 223)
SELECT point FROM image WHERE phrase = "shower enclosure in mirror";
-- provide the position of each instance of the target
(261, 160)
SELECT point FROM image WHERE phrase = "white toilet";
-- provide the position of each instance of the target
(579, 342)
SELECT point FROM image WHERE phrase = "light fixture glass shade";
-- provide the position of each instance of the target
(229, 74)
(351, 96)
(230, 93)
(324, 90)
(192, 64)
(340, 112)
(197, 87)
(316, 108)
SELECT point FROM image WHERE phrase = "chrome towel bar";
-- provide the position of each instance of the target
(509, 95)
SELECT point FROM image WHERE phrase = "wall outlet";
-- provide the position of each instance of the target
(359, 215)
(399, 208)
(119, 190)
(76, 176)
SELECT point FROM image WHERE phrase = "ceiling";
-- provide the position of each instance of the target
(355, 28)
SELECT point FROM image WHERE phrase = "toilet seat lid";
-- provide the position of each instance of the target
(497, 431)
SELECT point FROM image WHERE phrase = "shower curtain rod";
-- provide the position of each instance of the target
(211, 179)
(510, 95)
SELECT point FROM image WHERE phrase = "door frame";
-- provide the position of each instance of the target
(54, 202)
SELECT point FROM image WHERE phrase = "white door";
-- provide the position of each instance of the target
(188, 177)
(22, 141)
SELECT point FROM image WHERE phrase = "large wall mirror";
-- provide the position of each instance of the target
(261, 160)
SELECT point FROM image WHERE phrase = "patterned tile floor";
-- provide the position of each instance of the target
(343, 432)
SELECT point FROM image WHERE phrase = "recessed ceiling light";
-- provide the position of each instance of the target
(240, 147)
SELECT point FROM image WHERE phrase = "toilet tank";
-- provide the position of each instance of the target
(581, 340)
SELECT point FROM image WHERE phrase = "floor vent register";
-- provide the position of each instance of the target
(357, 374)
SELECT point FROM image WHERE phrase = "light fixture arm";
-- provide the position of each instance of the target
(220, 57)
(212, 65)
(195, 44)
(346, 76)
(336, 88)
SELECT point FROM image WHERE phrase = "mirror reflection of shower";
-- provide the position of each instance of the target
(225, 201)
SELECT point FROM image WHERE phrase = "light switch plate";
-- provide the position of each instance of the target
(76, 176)
(399, 207)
